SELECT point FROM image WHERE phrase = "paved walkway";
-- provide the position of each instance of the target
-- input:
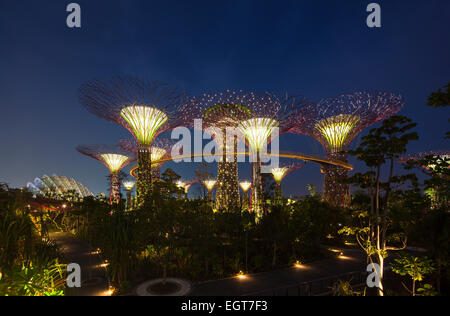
(93, 280)
(352, 260)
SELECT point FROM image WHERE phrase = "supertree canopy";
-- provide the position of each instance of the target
(250, 114)
(114, 159)
(210, 184)
(59, 188)
(129, 185)
(335, 122)
(269, 113)
(145, 108)
(221, 113)
(245, 186)
(160, 149)
(279, 174)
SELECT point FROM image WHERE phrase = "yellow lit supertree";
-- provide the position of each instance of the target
(129, 185)
(210, 184)
(335, 122)
(270, 114)
(146, 108)
(279, 174)
(160, 149)
(245, 186)
(114, 159)
(221, 113)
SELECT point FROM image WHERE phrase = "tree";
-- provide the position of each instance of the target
(381, 146)
(440, 99)
(416, 268)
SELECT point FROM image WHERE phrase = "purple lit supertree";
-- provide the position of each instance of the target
(146, 108)
(160, 149)
(245, 115)
(279, 174)
(114, 159)
(335, 122)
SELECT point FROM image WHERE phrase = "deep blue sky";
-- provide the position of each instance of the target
(314, 48)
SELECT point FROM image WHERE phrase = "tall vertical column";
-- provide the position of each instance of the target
(114, 196)
(336, 193)
(144, 176)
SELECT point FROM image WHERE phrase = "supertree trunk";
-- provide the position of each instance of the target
(257, 193)
(114, 196)
(336, 193)
(227, 194)
(244, 205)
(156, 172)
(144, 176)
(278, 198)
(129, 200)
(210, 195)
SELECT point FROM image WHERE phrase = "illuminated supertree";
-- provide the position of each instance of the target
(279, 174)
(335, 122)
(210, 184)
(114, 159)
(221, 113)
(185, 186)
(253, 117)
(269, 113)
(245, 186)
(145, 108)
(160, 149)
(129, 185)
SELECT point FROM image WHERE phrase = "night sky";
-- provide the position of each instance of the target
(314, 48)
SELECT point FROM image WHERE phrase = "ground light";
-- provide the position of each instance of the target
(241, 275)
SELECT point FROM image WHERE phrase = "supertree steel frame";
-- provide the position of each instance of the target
(221, 113)
(160, 149)
(114, 159)
(210, 184)
(145, 108)
(129, 185)
(335, 122)
(269, 113)
(279, 174)
(245, 186)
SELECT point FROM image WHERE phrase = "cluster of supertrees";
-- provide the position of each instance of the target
(148, 108)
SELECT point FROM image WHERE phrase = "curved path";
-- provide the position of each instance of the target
(93, 275)
(255, 284)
